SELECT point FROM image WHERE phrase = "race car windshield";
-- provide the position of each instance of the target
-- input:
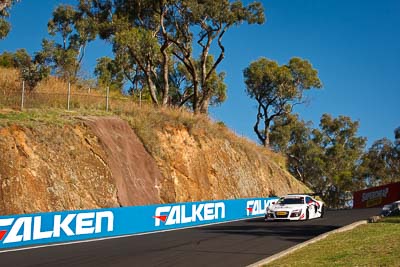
(288, 201)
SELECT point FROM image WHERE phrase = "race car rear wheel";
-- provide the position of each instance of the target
(307, 215)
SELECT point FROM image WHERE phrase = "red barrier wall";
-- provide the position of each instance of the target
(377, 196)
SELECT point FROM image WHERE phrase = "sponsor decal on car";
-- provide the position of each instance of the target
(24, 229)
(181, 214)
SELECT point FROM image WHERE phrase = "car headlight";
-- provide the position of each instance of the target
(296, 213)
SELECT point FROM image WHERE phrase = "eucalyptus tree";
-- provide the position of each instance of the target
(30, 71)
(277, 89)
(158, 34)
(183, 92)
(381, 163)
(133, 28)
(326, 159)
(343, 150)
(210, 20)
(109, 74)
(5, 6)
(76, 30)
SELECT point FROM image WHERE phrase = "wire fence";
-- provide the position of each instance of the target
(70, 99)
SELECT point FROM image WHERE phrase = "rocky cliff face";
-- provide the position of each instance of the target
(97, 162)
(200, 167)
(49, 168)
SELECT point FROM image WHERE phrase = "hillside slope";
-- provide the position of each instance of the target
(63, 161)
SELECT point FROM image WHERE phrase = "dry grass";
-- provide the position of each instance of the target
(50, 97)
(9, 79)
(53, 93)
(147, 119)
(10, 88)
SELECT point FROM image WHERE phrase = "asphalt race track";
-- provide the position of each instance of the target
(229, 244)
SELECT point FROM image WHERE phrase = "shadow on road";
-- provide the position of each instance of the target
(291, 231)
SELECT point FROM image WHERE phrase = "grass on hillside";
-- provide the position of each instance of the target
(144, 119)
(48, 104)
(374, 244)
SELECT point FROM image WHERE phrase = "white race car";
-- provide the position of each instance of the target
(295, 207)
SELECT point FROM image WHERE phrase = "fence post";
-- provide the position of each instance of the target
(69, 95)
(107, 97)
(140, 98)
(23, 95)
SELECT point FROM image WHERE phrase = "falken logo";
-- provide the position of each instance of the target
(180, 214)
(258, 206)
(24, 229)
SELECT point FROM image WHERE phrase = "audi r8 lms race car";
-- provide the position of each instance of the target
(295, 207)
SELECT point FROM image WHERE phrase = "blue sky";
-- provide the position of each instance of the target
(354, 44)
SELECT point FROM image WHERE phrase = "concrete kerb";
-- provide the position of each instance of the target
(313, 240)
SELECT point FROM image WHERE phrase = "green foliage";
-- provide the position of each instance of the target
(182, 86)
(277, 89)
(4, 28)
(108, 74)
(76, 31)
(397, 138)
(5, 6)
(325, 159)
(31, 72)
(380, 164)
(7, 60)
(342, 151)
(156, 37)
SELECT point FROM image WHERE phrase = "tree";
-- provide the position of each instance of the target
(31, 72)
(397, 138)
(380, 164)
(342, 152)
(182, 86)
(5, 6)
(139, 48)
(76, 31)
(325, 159)
(277, 89)
(172, 27)
(211, 19)
(295, 138)
(109, 74)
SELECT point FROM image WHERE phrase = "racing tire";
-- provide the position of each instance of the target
(322, 211)
(307, 215)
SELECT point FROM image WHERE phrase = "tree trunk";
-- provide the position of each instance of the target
(152, 86)
(195, 97)
(165, 70)
(267, 124)
(204, 105)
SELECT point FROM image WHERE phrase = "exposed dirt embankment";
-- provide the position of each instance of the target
(200, 167)
(135, 172)
(48, 168)
(95, 162)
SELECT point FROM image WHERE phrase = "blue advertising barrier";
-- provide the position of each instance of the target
(60, 227)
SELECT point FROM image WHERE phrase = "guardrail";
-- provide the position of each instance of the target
(68, 226)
